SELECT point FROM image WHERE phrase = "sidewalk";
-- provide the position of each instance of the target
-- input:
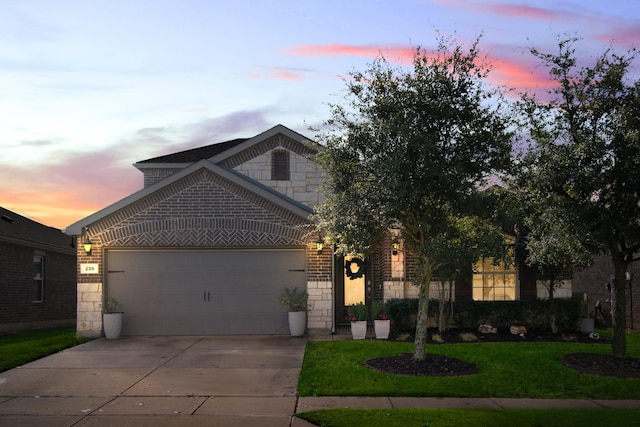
(316, 403)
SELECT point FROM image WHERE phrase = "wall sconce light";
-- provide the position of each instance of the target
(394, 248)
(87, 245)
(319, 245)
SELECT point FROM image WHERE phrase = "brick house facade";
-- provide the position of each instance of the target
(591, 284)
(38, 275)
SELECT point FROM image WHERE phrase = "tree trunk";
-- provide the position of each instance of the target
(422, 280)
(422, 323)
(441, 303)
(619, 341)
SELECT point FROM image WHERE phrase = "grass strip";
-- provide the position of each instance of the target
(473, 417)
(18, 349)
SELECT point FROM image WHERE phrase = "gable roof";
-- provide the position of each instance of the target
(195, 154)
(20, 230)
(217, 153)
(185, 161)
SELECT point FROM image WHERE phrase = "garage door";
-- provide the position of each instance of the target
(203, 292)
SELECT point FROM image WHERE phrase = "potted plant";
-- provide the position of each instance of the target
(381, 322)
(112, 318)
(358, 315)
(296, 303)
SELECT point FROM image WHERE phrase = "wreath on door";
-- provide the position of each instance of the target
(354, 268)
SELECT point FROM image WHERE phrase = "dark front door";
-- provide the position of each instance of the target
(353, 284)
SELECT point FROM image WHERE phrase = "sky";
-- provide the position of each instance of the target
(87, 87)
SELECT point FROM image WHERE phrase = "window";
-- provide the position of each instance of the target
(493, 282)
(38, 278)
(280, 165)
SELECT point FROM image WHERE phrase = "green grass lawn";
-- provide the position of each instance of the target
(504, 370)
(530, 370)
(18, 349)
(474, 417)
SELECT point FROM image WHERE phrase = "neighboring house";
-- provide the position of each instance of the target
(593, 284)
(216, 234)
(37, 275)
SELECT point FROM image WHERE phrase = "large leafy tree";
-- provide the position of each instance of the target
(409, 150)
(581, 175)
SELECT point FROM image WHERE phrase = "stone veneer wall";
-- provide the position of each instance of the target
(305, 175)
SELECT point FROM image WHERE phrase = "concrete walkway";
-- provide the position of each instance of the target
(193, 381)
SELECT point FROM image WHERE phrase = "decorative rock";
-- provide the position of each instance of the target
(487, 329)
(518, 330)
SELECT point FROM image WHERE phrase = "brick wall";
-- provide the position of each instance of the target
(18, 311)
(592, 281)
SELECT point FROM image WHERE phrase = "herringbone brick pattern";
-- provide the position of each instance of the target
(202, 210)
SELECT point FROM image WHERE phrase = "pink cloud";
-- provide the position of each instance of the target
(280, 74)
(509, 10)
(626, 35)
(400, 53)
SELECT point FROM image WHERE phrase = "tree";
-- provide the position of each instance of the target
(409, 150)
(582, 172)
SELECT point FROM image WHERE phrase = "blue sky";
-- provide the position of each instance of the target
(89, 87)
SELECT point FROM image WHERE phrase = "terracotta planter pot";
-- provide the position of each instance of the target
(359, 329)
(297, 323)
(112, 325)
(382, 328)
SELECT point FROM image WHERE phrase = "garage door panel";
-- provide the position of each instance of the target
(202, 292)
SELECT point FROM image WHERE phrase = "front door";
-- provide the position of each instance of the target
(353, 284)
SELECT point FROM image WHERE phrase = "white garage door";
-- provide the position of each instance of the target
(203, 292)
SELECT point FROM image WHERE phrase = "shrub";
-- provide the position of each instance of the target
(534, 314)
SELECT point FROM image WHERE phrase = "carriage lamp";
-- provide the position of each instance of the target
(319, 245)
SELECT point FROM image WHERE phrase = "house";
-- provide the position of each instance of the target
(594, 284)
(209, 243)
(215, 235)
(37, 275)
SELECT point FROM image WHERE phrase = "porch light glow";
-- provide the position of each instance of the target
(394, 248)
(87, 245)
(319, 245)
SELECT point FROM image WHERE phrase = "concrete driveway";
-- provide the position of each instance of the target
(158, 381)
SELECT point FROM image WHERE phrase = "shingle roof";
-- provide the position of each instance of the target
(196, 154)
(19, 229)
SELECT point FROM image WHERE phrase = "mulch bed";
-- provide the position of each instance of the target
(437, 365)
(433, 365)
(603, 364)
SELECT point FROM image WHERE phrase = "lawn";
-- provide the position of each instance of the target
(530, 370)
(18, 349)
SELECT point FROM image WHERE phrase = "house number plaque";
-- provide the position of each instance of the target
(89, 269)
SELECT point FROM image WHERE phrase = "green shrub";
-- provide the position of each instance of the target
(534, 314)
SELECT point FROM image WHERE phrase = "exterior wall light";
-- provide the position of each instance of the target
(87, 245)
(319, 245)
(394, 248)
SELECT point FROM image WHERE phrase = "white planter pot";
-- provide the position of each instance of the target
(587, 326)
(297, 323)
(112, 325)
(359, 329)
(382, 328)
